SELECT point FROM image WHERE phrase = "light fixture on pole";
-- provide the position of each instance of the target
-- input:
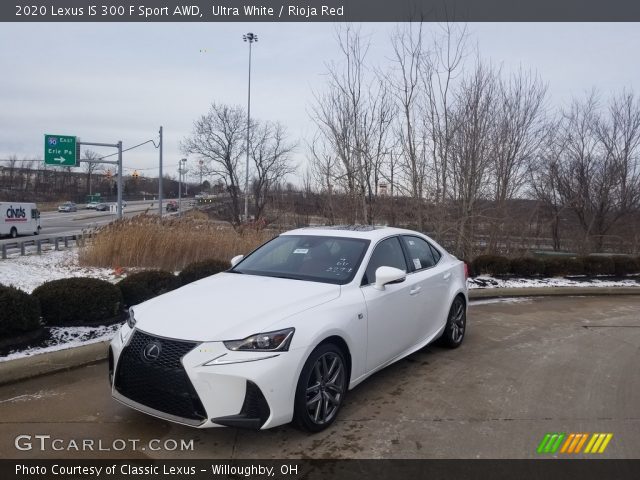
(250, 38)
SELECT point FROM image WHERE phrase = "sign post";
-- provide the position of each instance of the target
(60, 150)
(64, 151)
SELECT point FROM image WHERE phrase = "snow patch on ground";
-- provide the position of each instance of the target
(68, 337)
(492, 282)
(488, 301)
(30, 271)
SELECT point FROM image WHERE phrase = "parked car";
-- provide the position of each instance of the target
(172, 206)
(101, 207)
(298, 322)
(68, 207)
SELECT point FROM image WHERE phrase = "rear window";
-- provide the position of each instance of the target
(421, 254)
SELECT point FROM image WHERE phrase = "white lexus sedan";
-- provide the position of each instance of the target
(287, 330)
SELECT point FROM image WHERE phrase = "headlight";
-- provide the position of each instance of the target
(264, 342)
(131, 319)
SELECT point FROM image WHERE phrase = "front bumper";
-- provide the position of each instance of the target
(246, 389)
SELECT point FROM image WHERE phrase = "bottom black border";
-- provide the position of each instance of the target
(547, 469)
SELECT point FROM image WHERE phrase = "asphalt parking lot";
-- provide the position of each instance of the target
(527, 367)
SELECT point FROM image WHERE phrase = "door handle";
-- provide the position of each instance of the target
(415, 291)
(447, 276)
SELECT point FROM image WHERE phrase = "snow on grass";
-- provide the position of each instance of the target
(67, 337)
(492, 282)
(30, 271)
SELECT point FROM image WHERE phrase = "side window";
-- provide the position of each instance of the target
(420, 253)
(436, 254)
(387, 253)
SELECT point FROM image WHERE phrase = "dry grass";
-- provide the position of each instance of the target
(170, 243)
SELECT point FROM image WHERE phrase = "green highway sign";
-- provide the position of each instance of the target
(60, 150)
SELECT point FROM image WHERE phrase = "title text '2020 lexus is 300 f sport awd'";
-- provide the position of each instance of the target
(285, 332)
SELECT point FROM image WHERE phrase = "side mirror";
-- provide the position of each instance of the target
(386, 275)
(235, 260)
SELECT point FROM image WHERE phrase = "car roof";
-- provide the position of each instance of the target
(369, 232)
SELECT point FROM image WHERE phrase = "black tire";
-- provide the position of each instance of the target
(321, 388)
(13, 232)
(456, 324)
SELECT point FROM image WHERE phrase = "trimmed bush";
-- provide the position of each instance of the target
(141, 286)
(19, 311)
(561, 266)
(595, 265)
(624, 265)
(196, 271)
(526, 266)
(78, 301)
(491, 265)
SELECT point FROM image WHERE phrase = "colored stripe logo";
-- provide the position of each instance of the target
(573, 443)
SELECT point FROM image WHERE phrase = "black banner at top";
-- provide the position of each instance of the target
(319, 10)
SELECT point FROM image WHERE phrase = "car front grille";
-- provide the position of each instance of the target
(159, 383)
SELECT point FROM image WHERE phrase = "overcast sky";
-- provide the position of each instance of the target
(109, 82)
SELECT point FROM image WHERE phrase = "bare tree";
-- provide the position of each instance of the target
(599, 174)
(218, 139)
(472, 148)
(353, 115)
(520, 131)
(409, 60)
(543, 180)
(323, 167)
(439, 74)
(271, 154)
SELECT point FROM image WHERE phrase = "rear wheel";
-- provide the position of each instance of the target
(456, 324)
(321, 388)
(13, 232)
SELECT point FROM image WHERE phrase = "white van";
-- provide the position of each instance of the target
(19, 219)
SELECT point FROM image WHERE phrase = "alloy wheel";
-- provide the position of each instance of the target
(457, 321)
(325, 388)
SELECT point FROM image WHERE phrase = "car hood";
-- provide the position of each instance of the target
(229, 306)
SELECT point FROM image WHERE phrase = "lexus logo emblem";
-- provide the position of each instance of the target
(151, 351)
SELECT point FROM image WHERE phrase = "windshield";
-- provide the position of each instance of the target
(305, 257)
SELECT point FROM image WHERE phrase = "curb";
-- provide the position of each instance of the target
(476, 293)
(44, 363)
(36, 365)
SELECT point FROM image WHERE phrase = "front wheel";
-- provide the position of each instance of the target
(14, 232)
(321, 388)
(456, 324)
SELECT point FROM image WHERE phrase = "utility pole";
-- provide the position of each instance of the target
(160, 177)
(180, 171)
(120, 180)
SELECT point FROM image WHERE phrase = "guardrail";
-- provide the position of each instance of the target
(56, 241)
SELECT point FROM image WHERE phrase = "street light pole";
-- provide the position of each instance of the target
(249, 37)
(160, 177)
